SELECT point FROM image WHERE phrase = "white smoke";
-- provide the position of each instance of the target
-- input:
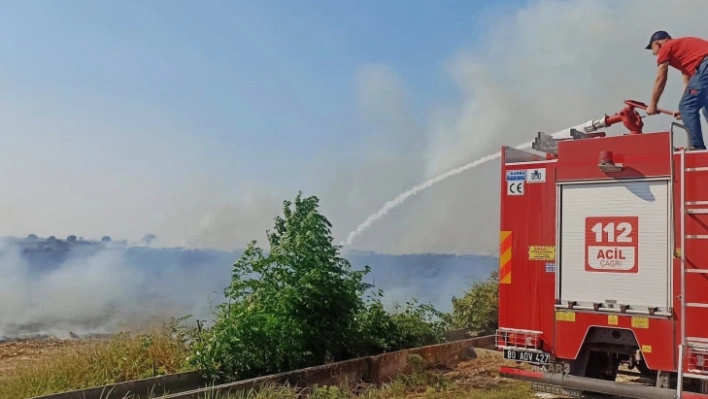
(540, 67)
(98, 292)
(401, 198)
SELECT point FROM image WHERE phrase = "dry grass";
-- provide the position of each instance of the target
(398, 389)
(45, 367)
(474, 379)
(81, 365)
(24, 353)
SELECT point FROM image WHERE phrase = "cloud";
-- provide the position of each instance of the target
(547, 66)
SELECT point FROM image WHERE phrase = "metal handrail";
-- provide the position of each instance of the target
(681, 347)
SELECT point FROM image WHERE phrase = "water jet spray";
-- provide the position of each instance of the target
(628, 116)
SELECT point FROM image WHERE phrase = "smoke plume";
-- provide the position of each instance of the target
(56, 288)
(543, 67)
(50, 289)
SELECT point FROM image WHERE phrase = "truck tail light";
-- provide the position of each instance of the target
(697, 360)
(522, 339)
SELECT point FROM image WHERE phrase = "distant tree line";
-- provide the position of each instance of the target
(146, 240)
(72, 238)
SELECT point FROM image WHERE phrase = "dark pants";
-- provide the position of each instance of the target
(694, 99)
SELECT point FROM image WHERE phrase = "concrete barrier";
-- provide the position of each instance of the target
(373, 369)
(138, 389)
(456, 335)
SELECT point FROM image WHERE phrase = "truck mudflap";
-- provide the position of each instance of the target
(574, 385)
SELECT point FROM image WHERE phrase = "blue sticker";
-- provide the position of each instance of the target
(550, 267)
(515, 175)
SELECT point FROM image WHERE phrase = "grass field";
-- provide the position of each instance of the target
(39, 367)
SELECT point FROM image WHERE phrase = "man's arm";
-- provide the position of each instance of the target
(659, 84)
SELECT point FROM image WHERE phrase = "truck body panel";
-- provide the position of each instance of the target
(605, 229)
(529, 220)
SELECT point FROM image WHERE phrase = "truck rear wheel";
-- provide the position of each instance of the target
(602, 365)
(644, 370)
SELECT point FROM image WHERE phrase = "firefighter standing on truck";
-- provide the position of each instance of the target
(690, 56)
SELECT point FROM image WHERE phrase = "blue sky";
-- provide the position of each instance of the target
(244, 80)
(225, 88)
(195, 119)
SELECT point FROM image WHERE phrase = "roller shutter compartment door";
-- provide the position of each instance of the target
(614, 243)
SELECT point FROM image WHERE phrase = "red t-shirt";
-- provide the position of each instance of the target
(684, 54)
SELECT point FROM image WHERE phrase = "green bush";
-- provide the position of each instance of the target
(407, 327)
(478, 309)
(301, 305)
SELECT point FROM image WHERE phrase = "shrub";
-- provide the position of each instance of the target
(478, 309)
(301, 305)
(291, 308)
(408, 327)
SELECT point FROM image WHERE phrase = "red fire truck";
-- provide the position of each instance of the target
(601, 262)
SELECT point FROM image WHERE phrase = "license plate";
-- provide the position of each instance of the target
(528, 357)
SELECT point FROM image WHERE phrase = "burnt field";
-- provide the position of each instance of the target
(53, 287)
(21, 353)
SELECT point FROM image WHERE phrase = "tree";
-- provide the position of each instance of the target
(478, 310)
(293, 307)
(71, 238)
(106, 239)
(408, 327)
(32, 237)
(148, 238)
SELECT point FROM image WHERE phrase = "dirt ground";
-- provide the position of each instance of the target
(483, 373)
(478, 373)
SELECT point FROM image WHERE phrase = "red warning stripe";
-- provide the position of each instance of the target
(505, 258)
(519, 373)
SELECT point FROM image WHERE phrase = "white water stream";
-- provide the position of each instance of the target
(401, 198)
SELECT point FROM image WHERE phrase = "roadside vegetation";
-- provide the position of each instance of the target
(300, 305)
(470, 380)
(79, 365)
(477, 311)
(296, 305)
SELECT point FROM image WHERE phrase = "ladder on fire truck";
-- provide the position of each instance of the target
(692, 350)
